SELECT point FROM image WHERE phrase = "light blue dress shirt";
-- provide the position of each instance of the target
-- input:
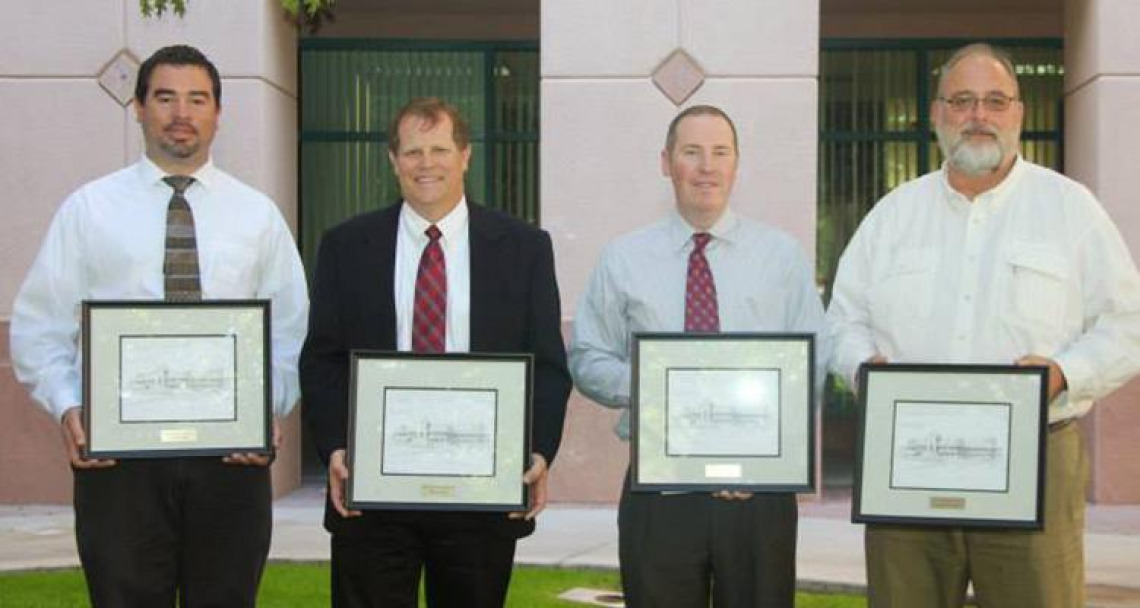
(763, 280)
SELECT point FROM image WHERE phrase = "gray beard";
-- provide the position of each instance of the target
(971, 159)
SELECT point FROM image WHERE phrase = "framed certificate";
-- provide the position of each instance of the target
(722, 412)
(953, 445)
(167, 379)
(433, 432)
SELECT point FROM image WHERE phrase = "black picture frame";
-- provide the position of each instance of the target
(439, 431)
(176, 379)
(682, 437)
(951, 445)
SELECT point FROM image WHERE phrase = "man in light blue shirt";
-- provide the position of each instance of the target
(674, 548)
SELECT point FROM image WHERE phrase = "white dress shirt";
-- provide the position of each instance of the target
(1033, 266)
(107, 242)
(763, 283)
(410, 243)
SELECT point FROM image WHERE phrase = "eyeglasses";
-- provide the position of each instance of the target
(964, 102)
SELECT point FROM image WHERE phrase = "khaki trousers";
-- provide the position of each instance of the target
(929, 567)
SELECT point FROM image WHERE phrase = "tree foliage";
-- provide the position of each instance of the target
(307, 14)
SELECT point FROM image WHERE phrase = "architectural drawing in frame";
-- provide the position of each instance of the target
(951, 445)
(723, 412)
(439, 432)
(172, 379)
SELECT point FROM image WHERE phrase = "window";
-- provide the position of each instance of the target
(350, 90)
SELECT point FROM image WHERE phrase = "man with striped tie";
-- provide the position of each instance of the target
(160, 532)
(700, 269)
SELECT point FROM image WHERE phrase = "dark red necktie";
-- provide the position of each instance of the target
(429, 314)
(700, 291)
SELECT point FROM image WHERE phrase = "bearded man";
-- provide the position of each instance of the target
(991, 259)
(187, 531)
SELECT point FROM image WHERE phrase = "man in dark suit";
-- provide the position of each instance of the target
(430, 274)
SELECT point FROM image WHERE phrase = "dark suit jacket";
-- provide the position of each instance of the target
(514, 308)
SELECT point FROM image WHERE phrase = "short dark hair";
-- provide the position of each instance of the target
(703, 110)
(178, 54)
(429, 109)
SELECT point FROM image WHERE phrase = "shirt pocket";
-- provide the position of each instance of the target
(903, 294)
(1037, 291)
(763, 309)
(232, 272)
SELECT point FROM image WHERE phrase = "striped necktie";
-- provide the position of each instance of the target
(429, 313)
(180, 266)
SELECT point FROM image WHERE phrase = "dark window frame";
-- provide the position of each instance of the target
(922, 135)
(491, 137)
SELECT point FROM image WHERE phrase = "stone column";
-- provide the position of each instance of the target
(67, 71)
(1102, 124)
(613, 75)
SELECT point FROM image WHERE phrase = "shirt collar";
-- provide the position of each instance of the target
(449, 225)
(680, 232)
(151, 174)
(994, 197)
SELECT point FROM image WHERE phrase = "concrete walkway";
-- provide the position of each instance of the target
(830, 552)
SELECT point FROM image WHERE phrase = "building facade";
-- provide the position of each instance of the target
(609, 75)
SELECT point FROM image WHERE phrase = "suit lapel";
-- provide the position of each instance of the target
(378, 298)
(486, 240)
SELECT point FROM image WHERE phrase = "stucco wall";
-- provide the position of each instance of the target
(62, 129)
(1102, 123)
(603, 127)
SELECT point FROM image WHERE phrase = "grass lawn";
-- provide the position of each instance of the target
(293, 585)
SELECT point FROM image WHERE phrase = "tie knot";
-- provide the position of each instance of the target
(700, 240)
(179, 182)
(433, 233)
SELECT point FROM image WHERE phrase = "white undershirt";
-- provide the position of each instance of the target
(410, 244)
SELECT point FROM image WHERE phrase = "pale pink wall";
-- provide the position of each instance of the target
(604, 120)
(603, 126)
(519, 25)
(592, 461)
(59, 127)
(989, 22)
(33, 463)
(1102, 122)
(61, 130)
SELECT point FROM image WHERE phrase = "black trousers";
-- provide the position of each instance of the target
(378, 563)
(677, 549)
(151, 532)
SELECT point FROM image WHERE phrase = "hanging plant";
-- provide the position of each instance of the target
(307, 14)
(158, 7)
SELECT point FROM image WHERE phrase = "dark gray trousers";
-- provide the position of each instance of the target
(192, 529)
(678, 549)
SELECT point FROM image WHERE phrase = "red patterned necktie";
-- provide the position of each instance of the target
(700, 291)
(429, 314)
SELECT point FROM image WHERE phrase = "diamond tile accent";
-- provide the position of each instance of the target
(678, 77)
(118, 77)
